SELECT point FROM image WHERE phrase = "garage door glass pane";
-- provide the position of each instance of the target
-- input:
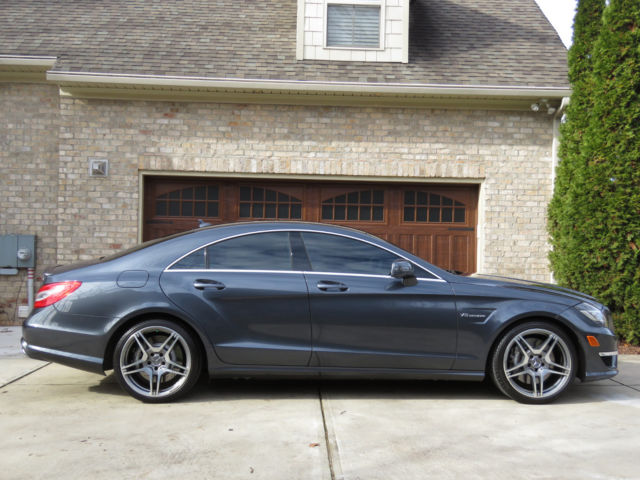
(261, 203)
(331, 253)
(440, 209)
(365, 205)
(197, 201)
(262, 251)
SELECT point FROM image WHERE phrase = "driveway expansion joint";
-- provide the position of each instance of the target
(625, 385)
(26, 374)
(330, 442)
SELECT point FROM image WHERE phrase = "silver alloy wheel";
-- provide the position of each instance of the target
(537, 363)
(155, 361)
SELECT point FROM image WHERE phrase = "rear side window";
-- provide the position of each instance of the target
(332, 253)
(260, 251)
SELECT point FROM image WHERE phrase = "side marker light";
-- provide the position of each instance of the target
(593, 341)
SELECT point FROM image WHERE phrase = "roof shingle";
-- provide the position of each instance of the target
(452, 42)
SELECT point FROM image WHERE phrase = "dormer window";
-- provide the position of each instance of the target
(353, 30)
(355, 25)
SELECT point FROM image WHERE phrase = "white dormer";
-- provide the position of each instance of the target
(353, 30)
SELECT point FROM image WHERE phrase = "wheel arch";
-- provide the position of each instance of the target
(130, 321)
(552, 319)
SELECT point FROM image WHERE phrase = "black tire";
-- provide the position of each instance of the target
(156, 361)
(534, 363)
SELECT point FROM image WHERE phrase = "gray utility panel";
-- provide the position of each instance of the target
(17, 251)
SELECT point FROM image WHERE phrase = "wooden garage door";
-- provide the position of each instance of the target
(435, 222)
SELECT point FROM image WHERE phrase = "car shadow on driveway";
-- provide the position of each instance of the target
(217, 390)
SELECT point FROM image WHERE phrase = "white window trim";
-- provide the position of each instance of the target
(300, 31)
(373, 3)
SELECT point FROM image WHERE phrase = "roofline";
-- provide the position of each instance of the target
(305, 86)
(28, 60)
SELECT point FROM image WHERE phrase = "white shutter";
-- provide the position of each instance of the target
(353, 26)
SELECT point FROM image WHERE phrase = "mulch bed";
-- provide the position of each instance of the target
(626, 349)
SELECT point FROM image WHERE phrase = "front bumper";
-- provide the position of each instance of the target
(600, 362)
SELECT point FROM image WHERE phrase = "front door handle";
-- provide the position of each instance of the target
(208, 285)
(329, 286)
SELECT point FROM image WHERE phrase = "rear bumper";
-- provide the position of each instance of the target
(71, 340)
(83, 362)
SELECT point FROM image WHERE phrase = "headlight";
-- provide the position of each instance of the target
(592, 313)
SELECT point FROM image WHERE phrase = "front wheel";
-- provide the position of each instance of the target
(156, 361)
(534, 363)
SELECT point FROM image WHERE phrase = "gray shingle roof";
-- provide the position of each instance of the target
(454, 42)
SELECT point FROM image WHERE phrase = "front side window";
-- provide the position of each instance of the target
(331, 253)
(261, 251)
(355, 26)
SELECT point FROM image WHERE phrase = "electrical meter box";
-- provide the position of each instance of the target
(17, 251)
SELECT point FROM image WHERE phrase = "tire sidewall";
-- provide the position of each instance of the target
(497, 371)
(194, 372)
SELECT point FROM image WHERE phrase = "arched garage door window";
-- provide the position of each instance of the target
(423, 206)
(260, 203)
(363, 205)
(196, 201)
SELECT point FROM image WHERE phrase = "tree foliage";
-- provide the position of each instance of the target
(594, 217)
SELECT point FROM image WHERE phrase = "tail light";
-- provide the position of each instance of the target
(54, 292)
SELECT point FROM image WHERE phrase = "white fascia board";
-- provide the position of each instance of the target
(304, 86)
(28, 60)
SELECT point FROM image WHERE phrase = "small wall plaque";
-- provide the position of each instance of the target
(98, 167)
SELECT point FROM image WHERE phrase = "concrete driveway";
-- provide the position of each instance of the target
(56, 422)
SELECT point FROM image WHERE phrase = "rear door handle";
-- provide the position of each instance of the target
(201, 284)
(329, 286)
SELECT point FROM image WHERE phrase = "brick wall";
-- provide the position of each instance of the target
(28, 179)
(47, 144)
(510, 152)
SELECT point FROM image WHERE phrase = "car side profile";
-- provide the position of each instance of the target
(302, 299)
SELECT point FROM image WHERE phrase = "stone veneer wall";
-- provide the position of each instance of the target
(509, 151)
(29, 118)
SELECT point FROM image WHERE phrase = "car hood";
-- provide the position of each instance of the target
(528, 285)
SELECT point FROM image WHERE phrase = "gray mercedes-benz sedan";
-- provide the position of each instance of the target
(289, 299)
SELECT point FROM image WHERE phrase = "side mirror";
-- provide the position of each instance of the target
(403, 270)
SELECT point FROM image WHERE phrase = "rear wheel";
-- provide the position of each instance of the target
(156, 361)
(534, 363)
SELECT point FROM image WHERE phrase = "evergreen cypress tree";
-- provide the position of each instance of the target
(611, 151)
(563, 213)
(601, 205)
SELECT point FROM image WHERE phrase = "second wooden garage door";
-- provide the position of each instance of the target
(435, 222)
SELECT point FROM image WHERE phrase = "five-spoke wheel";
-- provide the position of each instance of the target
(534, 363)
(156, 361)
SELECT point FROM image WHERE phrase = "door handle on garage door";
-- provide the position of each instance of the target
(328, 286)
(208, 285)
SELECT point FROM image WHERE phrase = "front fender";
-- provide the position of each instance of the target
(477, 334)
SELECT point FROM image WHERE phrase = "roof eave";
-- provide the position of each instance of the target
(156, 81)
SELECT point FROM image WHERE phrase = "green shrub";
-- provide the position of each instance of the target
(594, 217)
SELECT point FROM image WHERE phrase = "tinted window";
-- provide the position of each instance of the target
(195, 261)
(262, 251)
(331, 253)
